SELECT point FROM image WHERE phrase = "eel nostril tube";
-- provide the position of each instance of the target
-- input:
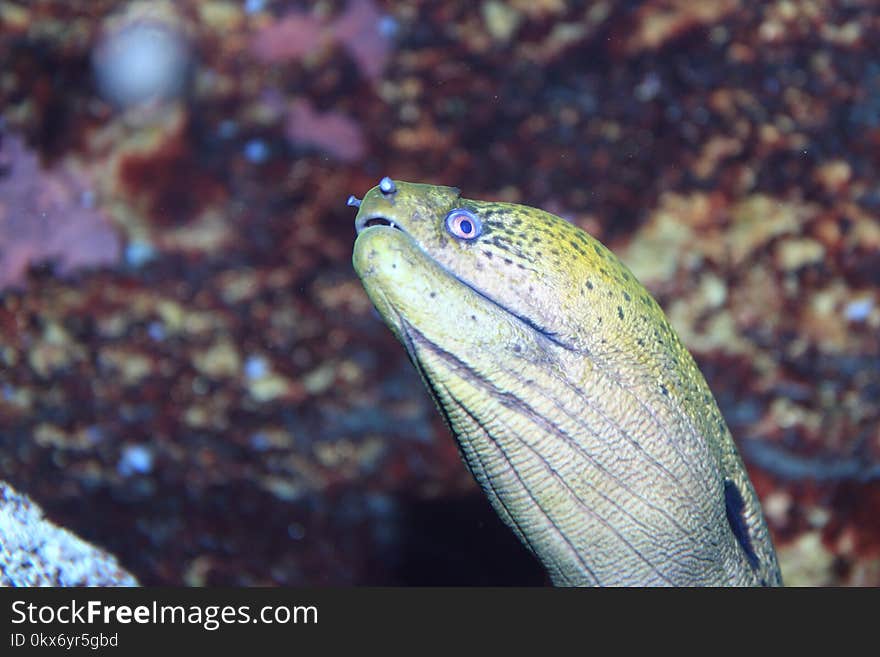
(353, 201)
(387, 186)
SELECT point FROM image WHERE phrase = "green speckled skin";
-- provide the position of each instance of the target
(574, 404)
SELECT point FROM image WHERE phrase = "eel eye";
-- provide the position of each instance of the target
(463, 224)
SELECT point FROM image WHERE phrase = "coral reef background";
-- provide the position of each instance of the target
(191, 377)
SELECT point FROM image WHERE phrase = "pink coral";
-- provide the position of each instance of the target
(47, 215)
(358, 30)
(292, 37)
(331, 132)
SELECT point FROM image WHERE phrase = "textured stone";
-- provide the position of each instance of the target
(35, 552)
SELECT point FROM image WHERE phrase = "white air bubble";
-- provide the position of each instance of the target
(142, 63)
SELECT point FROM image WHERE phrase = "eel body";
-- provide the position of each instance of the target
(574, 404)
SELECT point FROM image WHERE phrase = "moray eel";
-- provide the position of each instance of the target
(574, 404)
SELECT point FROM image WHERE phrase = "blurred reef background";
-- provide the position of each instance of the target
(191, 377)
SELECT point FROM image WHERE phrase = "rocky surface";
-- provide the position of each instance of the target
(212, 399)
(34, 552)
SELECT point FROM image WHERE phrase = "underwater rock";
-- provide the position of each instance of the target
(34, 552)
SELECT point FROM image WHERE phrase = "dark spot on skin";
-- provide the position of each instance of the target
(626, 296)
(598, 251)
(664, 390)
(620, 312)
(488, 254)
(508, 261)
(501, 245)
(640, 342)
(590, 285)
(474, 317)
(520, 265)
(734, 505)
(536, 240)
(517, 348)
(433, 294)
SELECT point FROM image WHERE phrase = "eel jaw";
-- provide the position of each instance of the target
(377, 221)
(367, 222)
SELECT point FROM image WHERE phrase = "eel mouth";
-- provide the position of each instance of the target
(370, 222)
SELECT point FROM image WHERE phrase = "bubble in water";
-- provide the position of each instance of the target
(141, 63)
(859, 310)
(256, 367)
(254, 6)
(135, 459)
(256, 151)
(138, 253)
